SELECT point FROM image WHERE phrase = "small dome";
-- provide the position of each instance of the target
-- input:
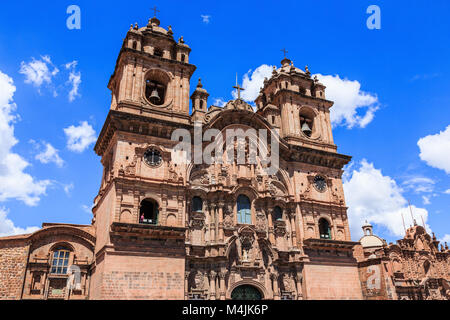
(288, 68)
(371, 241)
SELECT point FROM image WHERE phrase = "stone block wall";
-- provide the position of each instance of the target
(13, 261)
(140, 278)
(332, 282)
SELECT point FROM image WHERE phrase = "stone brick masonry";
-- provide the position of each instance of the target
(13, 260)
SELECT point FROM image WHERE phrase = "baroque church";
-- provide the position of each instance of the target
(163, 229)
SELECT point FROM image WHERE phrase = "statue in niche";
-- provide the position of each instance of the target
(197, 280)
(173, 175)
(245, 255)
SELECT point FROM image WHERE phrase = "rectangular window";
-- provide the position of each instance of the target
(60, 262)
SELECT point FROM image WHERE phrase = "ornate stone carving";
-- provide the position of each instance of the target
(261, 222)
(280, 228)
(198, 220)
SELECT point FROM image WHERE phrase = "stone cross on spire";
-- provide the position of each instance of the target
(238, 88)
(155, 10)
(285, 52)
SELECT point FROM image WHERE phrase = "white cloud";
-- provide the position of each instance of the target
(252, 82)
(426, 200)
(81, 137)
(435, 150)
(14, 182)
(71, 65)
(49, 155)
(426, 76)
(352, 107)
(219, 102)
(74, 80)
(68, 188)
(419, 184)
(7, 227)
(378, 199)
(447, 191)
(43, 72)
(87, 209)
(206, 18)
(37, 72)
(446, 238)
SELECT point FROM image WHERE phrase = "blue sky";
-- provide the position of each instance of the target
(398, 77)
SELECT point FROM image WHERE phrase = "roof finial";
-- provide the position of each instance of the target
(155, 10)
(238, 88)
(307, 71)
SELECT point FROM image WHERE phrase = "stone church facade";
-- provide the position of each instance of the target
(165, 229)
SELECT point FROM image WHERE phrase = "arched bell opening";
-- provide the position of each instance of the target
(156, 85)
(307, 125)
(155, 92)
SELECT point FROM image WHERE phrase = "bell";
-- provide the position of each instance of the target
(306, 129)
(155, 96)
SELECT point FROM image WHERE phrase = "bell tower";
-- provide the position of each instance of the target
(152, 74)
(296, 103)
(139, 210)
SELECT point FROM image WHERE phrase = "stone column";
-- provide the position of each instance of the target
(276, 291)
(293, 229)
(298, 282)
(207, 222)
(212, 285)
(300, 230)
(212, 228)
(221, 236)
(186, 285)
(223, 290)
(217, 286)
(270, 221)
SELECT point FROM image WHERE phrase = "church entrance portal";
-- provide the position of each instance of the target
(246, 293)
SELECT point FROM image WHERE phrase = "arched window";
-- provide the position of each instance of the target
(60, 261)
(149, 212)
(277, 214)
(158, 52)
(324, 229)
(197, 204)
(244, 210)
